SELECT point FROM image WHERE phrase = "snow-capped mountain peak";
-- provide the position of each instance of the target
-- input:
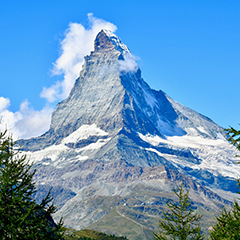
(107, 40)
(114, 132)
(118, 44)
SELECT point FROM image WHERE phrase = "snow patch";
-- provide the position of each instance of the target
(184, 141)
(156, 151)
(153, 140)
(192, 131)
(84, 132)
(51, 152)
(195, 141)
(94, 146)
(201, 129)
(220, 136)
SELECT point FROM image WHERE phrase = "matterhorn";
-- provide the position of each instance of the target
(116, 148)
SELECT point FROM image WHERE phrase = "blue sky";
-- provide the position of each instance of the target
(189, 49)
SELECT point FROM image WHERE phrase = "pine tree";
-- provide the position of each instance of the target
(20, 215)
(234, 137)
(227, 225)
(180, 221)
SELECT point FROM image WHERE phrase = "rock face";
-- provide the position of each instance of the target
(116, 147)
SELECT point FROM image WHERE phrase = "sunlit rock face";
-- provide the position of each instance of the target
(116, 147)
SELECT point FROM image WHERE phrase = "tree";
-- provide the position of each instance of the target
(227, 225)
(180, 221)
(234, 137)
(21, 217)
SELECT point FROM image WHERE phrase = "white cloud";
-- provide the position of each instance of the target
(26, 122)
(4, 103)
(52, 93)
(128, 64)
(78, 42)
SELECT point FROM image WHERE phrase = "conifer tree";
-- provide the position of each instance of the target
(234, 137)
(180, 221)
(21, 217)
(227, 225)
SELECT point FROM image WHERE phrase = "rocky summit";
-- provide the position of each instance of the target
(116, 148)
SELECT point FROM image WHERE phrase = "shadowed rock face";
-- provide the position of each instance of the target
(114, 138)
(103, 43)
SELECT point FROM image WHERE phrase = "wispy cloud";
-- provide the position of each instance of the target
(26, 122)
(129, 63)
(77, 43)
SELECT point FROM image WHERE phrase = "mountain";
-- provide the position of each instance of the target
(116, 148)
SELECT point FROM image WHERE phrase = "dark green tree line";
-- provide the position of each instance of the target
(20, 215)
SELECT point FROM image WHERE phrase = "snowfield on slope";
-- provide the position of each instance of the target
(58, 154)
(216, 155)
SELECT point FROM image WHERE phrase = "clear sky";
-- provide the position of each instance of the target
(189, 49)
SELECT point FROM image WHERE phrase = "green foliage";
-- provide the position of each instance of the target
(227, 225)
(180, 221)
(234, 137)
(20, 216)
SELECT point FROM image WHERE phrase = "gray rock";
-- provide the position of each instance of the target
(109, 150)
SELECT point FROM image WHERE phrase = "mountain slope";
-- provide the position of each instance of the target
(116, 147)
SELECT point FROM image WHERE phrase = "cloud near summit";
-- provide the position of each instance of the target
(128, 64)
(77, 43)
